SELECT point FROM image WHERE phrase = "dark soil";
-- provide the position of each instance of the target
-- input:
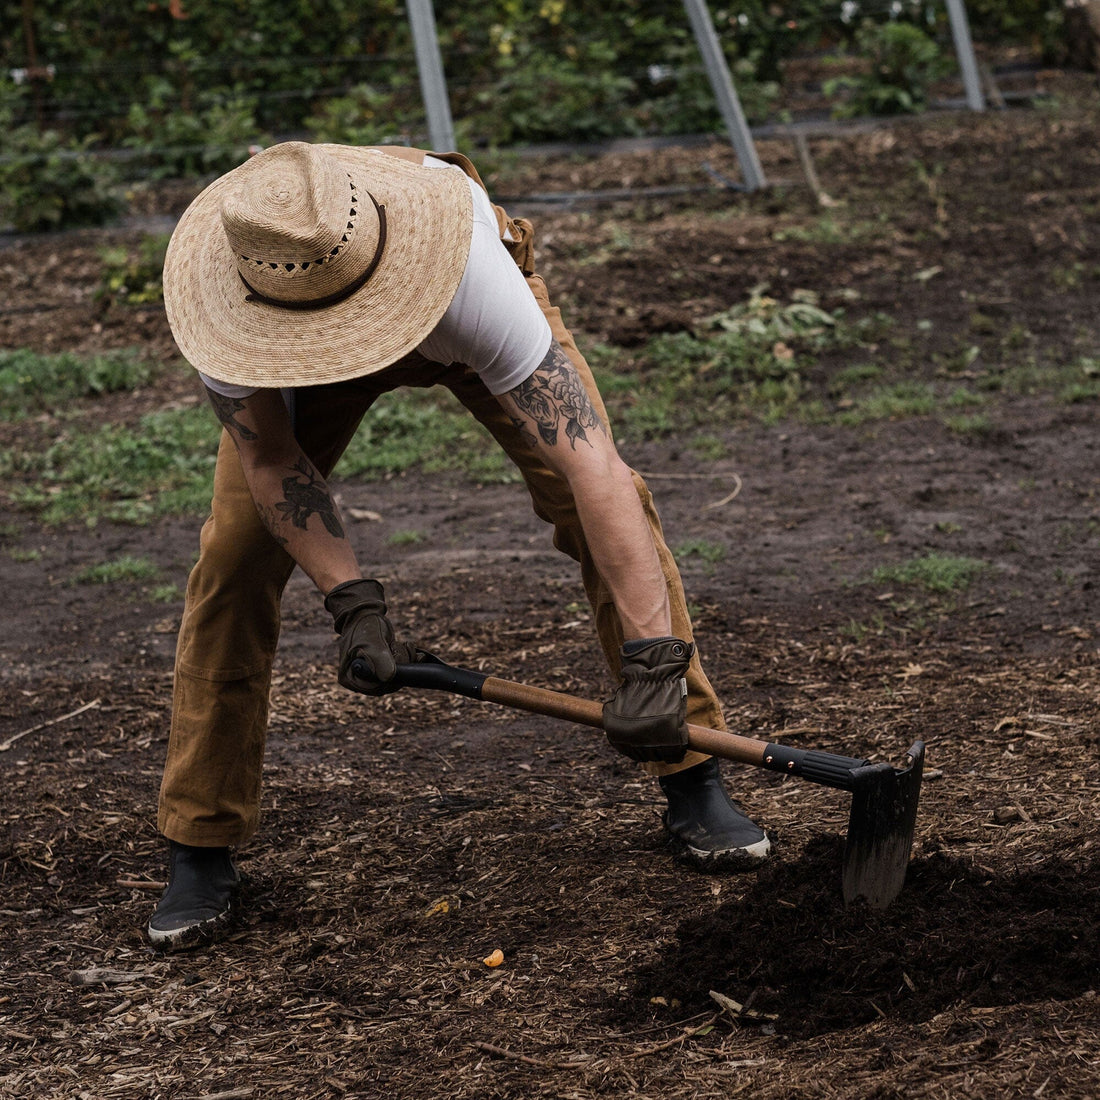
(406, 839)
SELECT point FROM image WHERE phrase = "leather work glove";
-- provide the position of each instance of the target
(358, 609)
(646, 718)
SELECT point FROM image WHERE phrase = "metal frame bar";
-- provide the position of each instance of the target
(433, 84)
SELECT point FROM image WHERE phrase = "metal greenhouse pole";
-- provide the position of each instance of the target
(722, 84)
(433, 85)
(964, 48)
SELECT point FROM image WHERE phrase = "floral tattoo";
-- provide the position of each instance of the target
(554, 397)
(308, 497)
(225, 409)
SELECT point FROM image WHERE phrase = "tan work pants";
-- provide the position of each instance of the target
(210, 793)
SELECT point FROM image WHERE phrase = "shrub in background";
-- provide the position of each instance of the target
(48, 181)
(133, 279)
(902, 64)
(172, 143)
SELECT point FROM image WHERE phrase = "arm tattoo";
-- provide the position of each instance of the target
(529, 441)
(554, 396)
(271, 521)
(304, 498)
(224, 410)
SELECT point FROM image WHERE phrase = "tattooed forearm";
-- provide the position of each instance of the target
(306, 494)
(554, 398)
(225, 409)
(271, 521)
(521, 426)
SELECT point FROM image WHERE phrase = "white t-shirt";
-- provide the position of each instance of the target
(493, 324)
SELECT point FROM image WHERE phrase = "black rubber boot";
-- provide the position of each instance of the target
(197, 905)
(706, 830)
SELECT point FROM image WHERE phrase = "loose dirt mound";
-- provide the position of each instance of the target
(406, 839)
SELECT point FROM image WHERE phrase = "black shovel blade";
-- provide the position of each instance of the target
(880, 829)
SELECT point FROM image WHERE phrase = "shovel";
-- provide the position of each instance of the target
(884, 799)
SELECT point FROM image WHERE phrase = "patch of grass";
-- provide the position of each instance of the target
(858, 631)
(855, 375)
(976, 426)
(32, 383)
(162, 466)
(405, 538)
(709, 448)
(133, 278)
(24, 555)
(932, 572)
(428, 430)
(751, 360)
(894, 401)
(1083, 383)
(126, 568)
(832, 228)
(711, 553)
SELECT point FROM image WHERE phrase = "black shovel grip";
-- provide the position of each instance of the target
(431, 672)
(818, 767)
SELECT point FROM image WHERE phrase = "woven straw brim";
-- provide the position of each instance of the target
(429, 217)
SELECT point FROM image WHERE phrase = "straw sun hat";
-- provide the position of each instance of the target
(315, 263)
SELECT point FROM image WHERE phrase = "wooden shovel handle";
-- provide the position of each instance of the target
(826, 768)
(586, 712)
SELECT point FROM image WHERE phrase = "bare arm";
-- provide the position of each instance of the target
(292, 498)
(553, 406)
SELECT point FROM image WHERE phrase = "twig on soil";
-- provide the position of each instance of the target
(105, 976)
(139, 884)
(687, 1033)
(527, 1060)
(738, 484)
(585, 1061)
(5, 745)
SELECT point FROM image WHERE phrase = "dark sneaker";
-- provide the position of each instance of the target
(198, 902)
(705, 828)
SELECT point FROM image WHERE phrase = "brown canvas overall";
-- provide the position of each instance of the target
(210, 793)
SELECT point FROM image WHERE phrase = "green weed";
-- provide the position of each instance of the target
(425, 430)
(163, 466)
(405, 538)
(711, 553)
(133, 278)
(31, 383)
(752, 360)
(831, 229)
(932, 573)
(977, 426)
(121, 569)
(894, 401)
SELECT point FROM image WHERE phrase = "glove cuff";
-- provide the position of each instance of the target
(652, 657)
(352, 596)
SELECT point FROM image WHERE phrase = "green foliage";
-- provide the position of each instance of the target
(30, 382)
(535, 92)
(50, 181)
(1026, 22)
(162, 466)
(188, 86)
(749, 360)
(710, 553)
(133, 279)
(903, 63)
(421, 430)
(126, 568)
(366, 115)
(174, 143)
(933, 572)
